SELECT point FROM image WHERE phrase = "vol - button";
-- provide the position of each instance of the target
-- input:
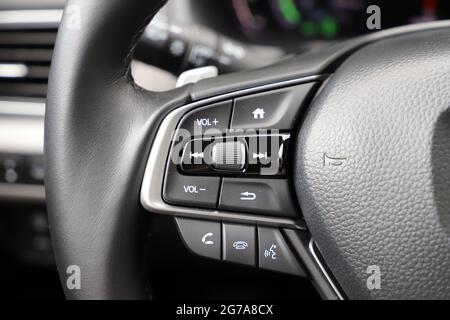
(190, 190)
(193, 189)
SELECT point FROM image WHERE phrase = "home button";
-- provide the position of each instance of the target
(275, 109)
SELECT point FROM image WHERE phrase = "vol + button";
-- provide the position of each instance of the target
(215, 117)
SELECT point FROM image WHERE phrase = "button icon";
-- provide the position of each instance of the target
(206, 236)
(249, 196)
(271, 254)
(260, 155)
(333, 161)
(206, 122)
(192, 189)
(196, 155)
(240, 245)
(258, 113)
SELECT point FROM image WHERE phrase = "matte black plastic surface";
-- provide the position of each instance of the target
(191, 191)
(274, 253)
(202, 237)
(239, 243)
(259, 196)
(215, 118)
(276, 109)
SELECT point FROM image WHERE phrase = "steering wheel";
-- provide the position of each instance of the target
(369, 153)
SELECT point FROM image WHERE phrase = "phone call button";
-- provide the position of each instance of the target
(201, 237)
(239, 243)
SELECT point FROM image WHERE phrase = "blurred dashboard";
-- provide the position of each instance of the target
(295, 24)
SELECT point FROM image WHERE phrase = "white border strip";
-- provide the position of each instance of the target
(152, 183)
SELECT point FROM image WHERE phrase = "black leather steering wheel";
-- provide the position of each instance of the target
(383, 111)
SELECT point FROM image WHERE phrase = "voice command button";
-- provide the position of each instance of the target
(274, 253)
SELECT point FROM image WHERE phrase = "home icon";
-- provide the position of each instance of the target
(258, 113)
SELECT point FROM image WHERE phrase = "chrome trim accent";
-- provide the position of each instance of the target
(22, 192)
(197, 74)
(322, 269)
(152, 184)
(24, 19)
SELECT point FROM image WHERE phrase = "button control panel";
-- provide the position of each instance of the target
(253, 155)
(233, 155)
(262, 247)
(227, 176)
